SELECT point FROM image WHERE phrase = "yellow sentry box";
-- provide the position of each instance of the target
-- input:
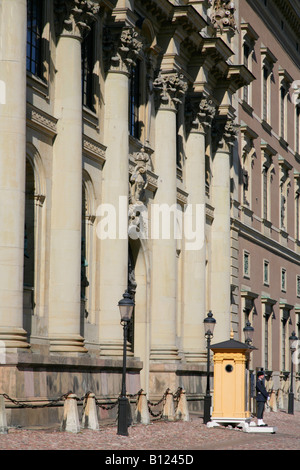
(230, 399)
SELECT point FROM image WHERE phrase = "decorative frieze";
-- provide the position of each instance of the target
(170, 89)
(73, 17)
(121, 53)
(41, 121)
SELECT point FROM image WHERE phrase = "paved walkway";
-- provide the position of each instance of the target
(160, 436)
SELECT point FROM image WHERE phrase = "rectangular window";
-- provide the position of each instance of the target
(34, 37)
(246, 63)
(134, 101)
(297, 215)
(298, 285)
(246, 264)
(282, 111)
(265, 93)
(265, 192)
(87, 67)
(266, 272)
(297, 130)
(283, 344)
(266, 342)
(283, 279)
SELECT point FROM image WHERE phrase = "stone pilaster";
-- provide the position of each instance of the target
(170, 89)
(72, 19)
(13, 17)
(114, 248)
(199, 113)
(220, 302)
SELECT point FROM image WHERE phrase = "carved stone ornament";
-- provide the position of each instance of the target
(199, 114)
(138, 180)
(121, 54)
(73, 17)
(222, 15)
(224, 134)
(170, 88)
(137, 211)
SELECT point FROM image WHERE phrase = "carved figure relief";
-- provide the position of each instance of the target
(137, 224)
(222, 15)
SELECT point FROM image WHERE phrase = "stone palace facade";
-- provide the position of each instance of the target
(149, 146)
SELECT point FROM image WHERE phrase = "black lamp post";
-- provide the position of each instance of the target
(292, 340)
(248, 332)
(126, 308)
(209, 325)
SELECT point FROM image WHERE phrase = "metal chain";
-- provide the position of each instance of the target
(45, 405)
(108, 407)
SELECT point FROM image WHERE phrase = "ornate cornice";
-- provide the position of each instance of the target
(73, 17)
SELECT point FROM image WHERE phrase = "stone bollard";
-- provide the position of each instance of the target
(90, 418)
(70, 419)
(169, 410)
(182, 411)
(142, 413)
(3, 422)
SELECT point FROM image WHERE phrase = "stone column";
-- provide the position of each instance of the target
(220, 292)
(72, 19)
(199, 114)
(164, 270)
(115, 186)
(13, 20)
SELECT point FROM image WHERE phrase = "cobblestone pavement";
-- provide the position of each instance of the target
(160, 436)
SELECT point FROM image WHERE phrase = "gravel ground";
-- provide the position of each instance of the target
(160, 436)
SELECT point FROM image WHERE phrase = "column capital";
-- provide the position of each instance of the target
(224, 133)
(170, 88)
(200, 112)
(73, 17)
(122, 52)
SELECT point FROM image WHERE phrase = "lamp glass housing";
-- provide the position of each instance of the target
(248, 332)
(292, 340)
(209, 324)
(126, 307)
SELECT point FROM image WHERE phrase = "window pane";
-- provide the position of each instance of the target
(34, 39)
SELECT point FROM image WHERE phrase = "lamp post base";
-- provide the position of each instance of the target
(123, 416)
(207, 406)
(291, 404)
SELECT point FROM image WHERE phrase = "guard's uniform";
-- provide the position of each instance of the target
(261, 398)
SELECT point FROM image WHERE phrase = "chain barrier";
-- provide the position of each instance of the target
(54, 402)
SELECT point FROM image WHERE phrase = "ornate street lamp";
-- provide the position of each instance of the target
(292, 339)
(126, 308)
(209, 325)
(248, 332)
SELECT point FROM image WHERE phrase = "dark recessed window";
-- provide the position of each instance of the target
(34, 37)
(87, 66)
(134, 101)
